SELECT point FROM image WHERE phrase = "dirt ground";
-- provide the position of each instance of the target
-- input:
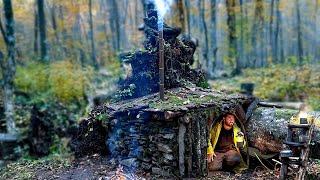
(97, 167)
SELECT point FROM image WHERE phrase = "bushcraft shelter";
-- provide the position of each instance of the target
(166, 138)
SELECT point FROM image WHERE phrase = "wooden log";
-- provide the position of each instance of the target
(197, 146)
(181, 138)
(170, 114)
(269, 104)
(190, 142)
(267, 129)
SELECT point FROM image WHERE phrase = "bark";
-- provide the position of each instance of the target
(204, 30)
(77, 36)
(42, 31)
(300, 47)
(181, 18)
(8, 66)
(276, 34)
(213, 38)
(93, 49)
(136, 16)
(187, 8)
(54, 22)
(267, 129)
(271, 33)
(280, 32)
(316, 48)
(36, 30)
(114, 24)
(63, 32)
(181, 139)
(257, 35)
(123, 41)
(231, 21)
(241, 44)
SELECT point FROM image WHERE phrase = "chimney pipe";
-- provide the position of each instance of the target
(161, 63)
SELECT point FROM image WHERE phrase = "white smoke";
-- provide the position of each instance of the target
(162, 7)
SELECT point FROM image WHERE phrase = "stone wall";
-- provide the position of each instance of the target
(139, 139)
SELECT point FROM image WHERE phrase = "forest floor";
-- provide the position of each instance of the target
(97, 167)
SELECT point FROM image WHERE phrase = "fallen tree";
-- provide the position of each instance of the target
(267, 129)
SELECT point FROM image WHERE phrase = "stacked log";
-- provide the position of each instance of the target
(137, 140)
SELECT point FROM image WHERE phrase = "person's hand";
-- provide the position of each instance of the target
(210, 157)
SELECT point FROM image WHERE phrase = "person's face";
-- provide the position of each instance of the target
(229, 120)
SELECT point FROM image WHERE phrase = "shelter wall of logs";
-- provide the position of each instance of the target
(167, 145)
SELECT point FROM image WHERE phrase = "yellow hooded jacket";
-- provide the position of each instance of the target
(213, 139)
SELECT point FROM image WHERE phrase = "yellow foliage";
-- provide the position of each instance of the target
(32, 78)
(61, 80)
(68, 81)
(279, 83)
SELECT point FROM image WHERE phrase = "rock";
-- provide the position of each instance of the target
(168, 136)
(168, 157)
(130, 163)
(160, 171)
(164, 148)
(146, 166)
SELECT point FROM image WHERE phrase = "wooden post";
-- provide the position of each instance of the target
(161, 63)
(181, 137)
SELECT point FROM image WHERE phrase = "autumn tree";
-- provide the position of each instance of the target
(8, 66)
(93, 49)
(203, 30)
(42, 31)
(299, 32)
(231, 22)
(213, 37)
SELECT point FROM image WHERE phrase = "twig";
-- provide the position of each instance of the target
(261, 161)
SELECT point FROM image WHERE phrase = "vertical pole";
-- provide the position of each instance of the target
(161, 63)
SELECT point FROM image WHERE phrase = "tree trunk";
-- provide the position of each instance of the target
(36, 30)
(123, 40)
(271, 33)
(181, 19)
(77, 36)
(114, 24)
(279, 35)
(42, 31)
(54, 22)
(187, 7)
(257, 35)
(231, 22)
(241, 48)
(8, 66)
(204, 31)
(300, 47)
(93, 49)
(317, 33)
(213, 33)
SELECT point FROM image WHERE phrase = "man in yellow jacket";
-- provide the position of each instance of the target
(226, 140)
